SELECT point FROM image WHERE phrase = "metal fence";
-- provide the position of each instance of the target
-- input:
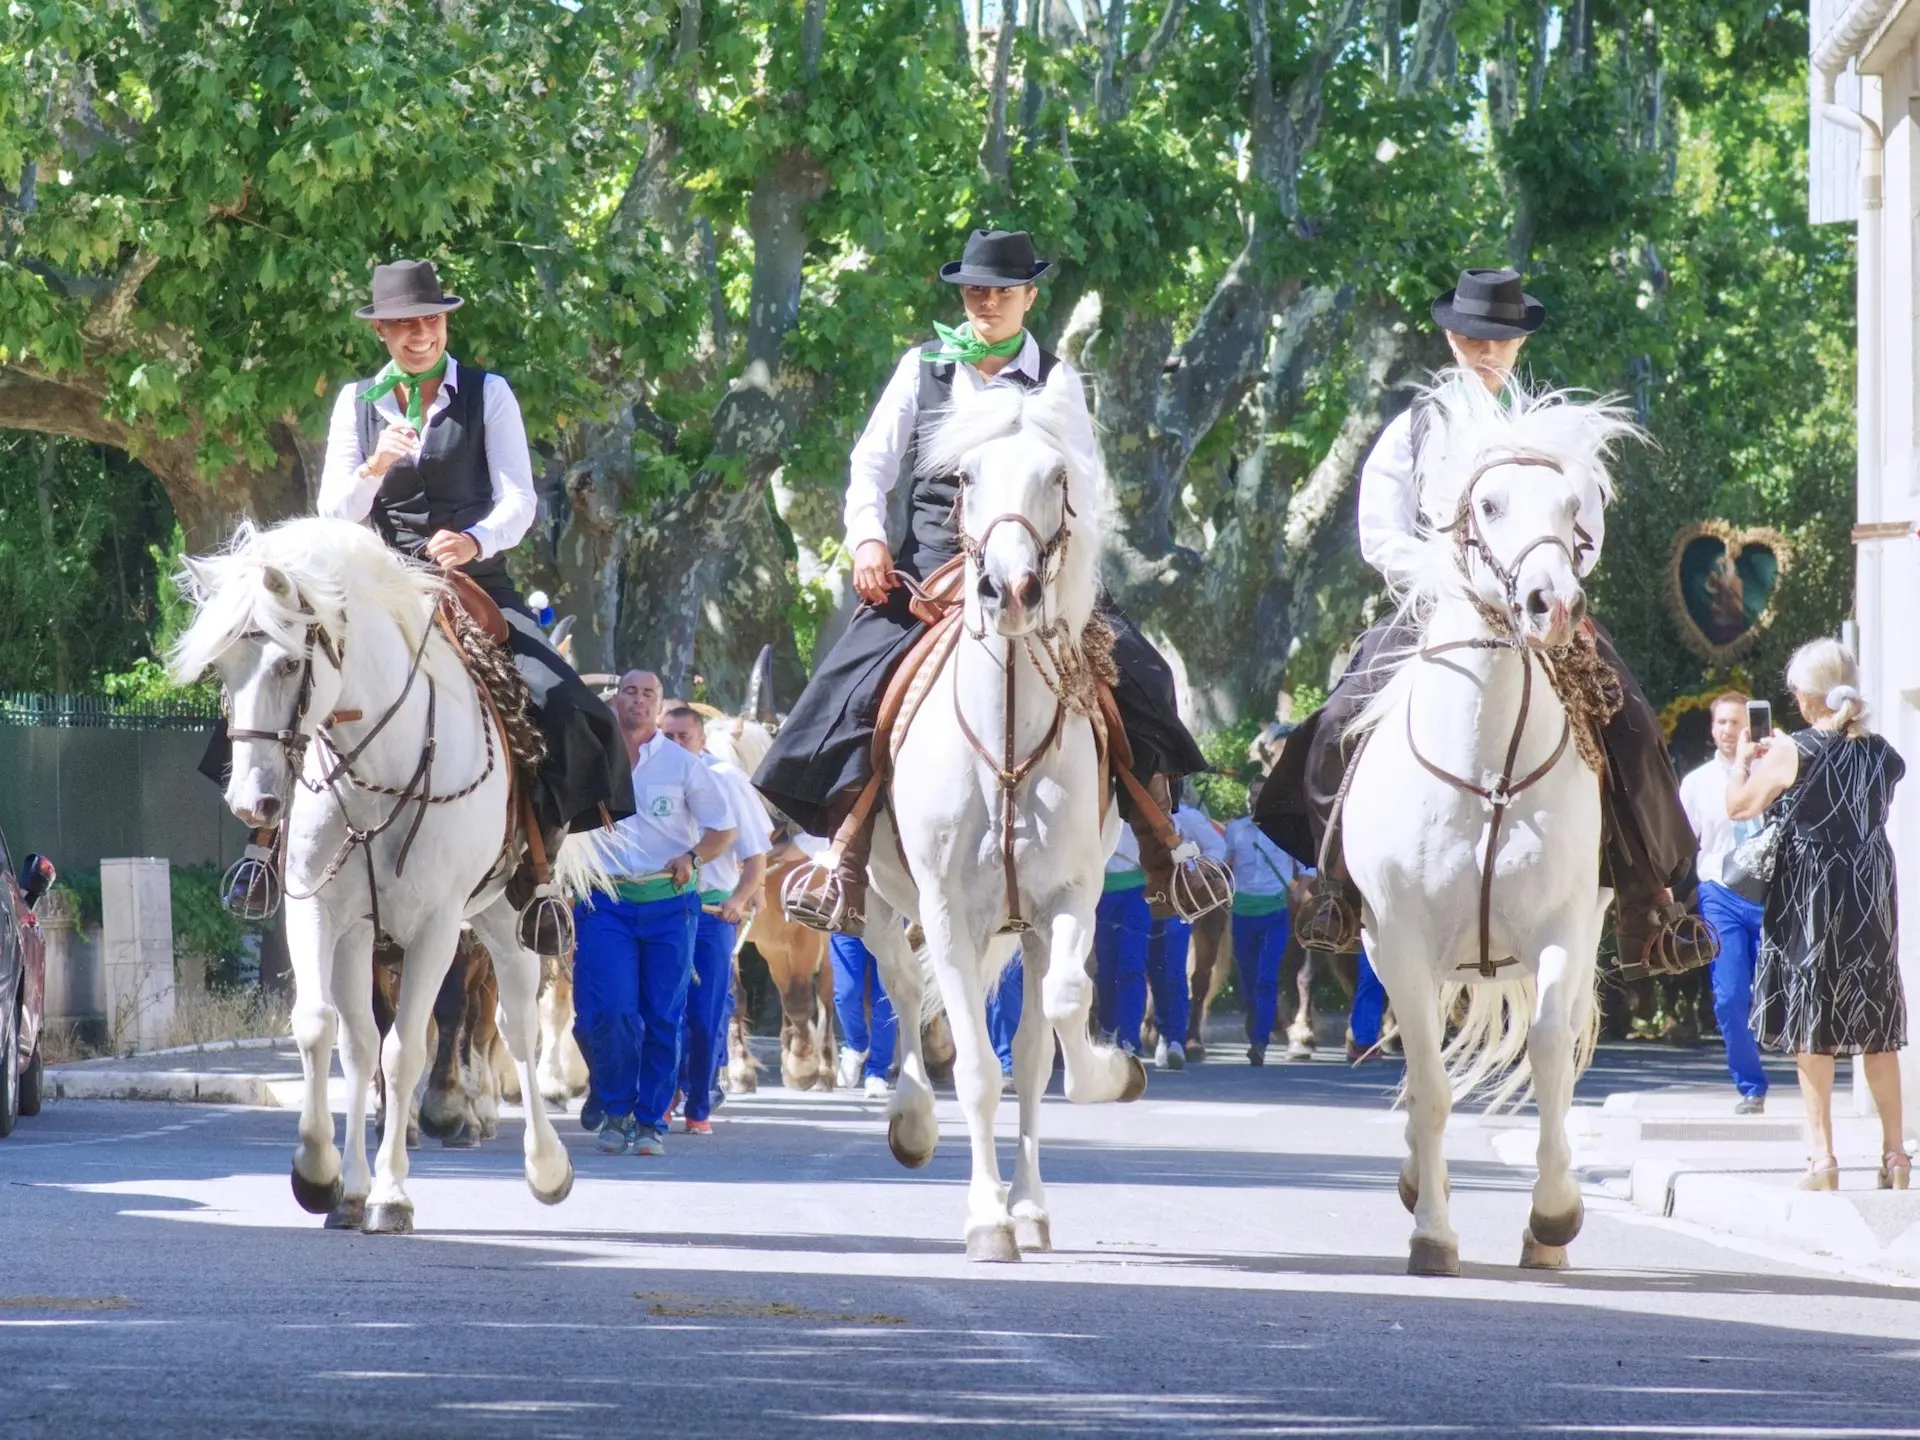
(104, 712)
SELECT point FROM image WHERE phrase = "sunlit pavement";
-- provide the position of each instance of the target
(1229, 1261)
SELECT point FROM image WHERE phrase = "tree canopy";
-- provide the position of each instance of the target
(695, 235)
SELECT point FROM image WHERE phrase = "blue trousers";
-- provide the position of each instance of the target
(854, 969)
(1259, 945)
(631, 969)
(702, 1039)
(1369, 1005)
(1003, 1012)
(1167, 977)
(1120, 932)
(1737, 922)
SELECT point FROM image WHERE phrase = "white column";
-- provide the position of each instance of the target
(136, 942)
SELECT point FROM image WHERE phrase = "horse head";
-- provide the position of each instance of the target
(1517, 535)
(270, 621)
(1027, 517)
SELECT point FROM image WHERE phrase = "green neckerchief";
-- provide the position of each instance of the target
(968, 348)
(391, 375)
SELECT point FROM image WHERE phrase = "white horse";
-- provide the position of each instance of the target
(994, 732)
(1473, 765)
(346, 700)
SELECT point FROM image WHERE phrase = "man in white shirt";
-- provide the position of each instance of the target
(433, 455)
(1262, 873)
(821, 758)
(729, 891)
(633, 960)
(1734, 918)
(1650, 848)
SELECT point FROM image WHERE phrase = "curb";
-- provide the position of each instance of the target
(176, 1085)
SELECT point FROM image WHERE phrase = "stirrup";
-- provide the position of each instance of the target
(1328, 921)
(1681, 941)
(813, 896)
(546, 925)
(250, 890)
(1200, 884)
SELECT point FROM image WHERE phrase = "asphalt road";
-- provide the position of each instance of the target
(1230, 1262)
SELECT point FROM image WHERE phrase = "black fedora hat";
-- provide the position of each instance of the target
(999, 258)
(405, 289)
(1489, 305)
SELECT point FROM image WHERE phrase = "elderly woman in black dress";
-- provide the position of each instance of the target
(1828, 978)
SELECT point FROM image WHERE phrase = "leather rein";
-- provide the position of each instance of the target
(1470, 539)
(417, 792)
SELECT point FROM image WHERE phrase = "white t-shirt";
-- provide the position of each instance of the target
(1126, 855)
(752, 826)
(1703, 794)
(676, 801)
(1259, 866)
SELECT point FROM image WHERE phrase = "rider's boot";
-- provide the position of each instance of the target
(1328, 911)
(1156, 856)
(1658, 931)
(831, 893)
(1180, 881)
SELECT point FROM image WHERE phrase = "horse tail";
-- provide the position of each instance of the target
(581, 867)
(1486, 1058)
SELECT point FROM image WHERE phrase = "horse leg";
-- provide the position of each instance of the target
(825, 1039)
(1058, 951)
(317, 1185)
(1300, 1034)
(1558, 1016)
(483, 1042)
(354, 988)
(912, 1132)
(961, 969)
(1435, 1249)
(556, 1036)
(1032, 1067)
(1209, 938)
(385, 982)
(444, 1113)
(516, 972)
(389, 1211)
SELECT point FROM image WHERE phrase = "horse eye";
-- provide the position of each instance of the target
(1490, 509)
(285, 665)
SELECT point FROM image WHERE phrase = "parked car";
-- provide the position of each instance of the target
(23, 986)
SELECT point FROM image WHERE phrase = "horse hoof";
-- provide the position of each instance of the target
(1033, 1232)
(391, 1219)
(556, 1195)
(992, 1244)
(1136, 1085)
(1299, 1050)
(315, 1198)
(1196, 1052)
(1535, 1256)
(1557, 1233)
(1430, 1257)
(437, 1127)
(911, 1158)
(349, 1214)
(462, 1138)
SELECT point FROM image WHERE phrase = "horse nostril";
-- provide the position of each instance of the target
(986, 588)
(1537, 603)
(1578, 610)
(1027, 592)
(269, 809)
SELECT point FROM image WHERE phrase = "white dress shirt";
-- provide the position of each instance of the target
(874, 468)
(752, 828)
(1703, 795)
(1126, 854)
(1259, 866)
(348, 494)
(676, 801)
(1389, 513)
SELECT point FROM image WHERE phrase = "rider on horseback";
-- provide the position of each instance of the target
(821, 759)
(1650, 846)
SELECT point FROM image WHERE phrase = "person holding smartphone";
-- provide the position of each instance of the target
(1735, 919)
(1828, 978)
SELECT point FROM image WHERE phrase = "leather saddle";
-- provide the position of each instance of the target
(466, 592)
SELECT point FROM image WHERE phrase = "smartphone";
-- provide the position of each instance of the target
(1760, 720)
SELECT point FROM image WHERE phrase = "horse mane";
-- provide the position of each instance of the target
(1051, 414)
(328, 562)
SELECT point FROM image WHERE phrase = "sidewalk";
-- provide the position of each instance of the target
(235, 1072)
(1680, 1152)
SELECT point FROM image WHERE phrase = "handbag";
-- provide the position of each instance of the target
(1749, 866)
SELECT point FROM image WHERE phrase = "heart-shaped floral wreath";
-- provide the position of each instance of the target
(1723, 585)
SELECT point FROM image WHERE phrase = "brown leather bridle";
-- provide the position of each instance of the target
(1470, 540)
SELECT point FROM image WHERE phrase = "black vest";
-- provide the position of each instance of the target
(449, 487)
(932, 499)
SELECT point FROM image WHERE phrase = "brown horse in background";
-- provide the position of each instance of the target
(797, 963)
(461, 1104)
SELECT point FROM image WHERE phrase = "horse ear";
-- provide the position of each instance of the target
(276, 581)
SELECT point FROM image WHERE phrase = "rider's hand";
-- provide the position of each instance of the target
(450, 549)
(733, 909)
(397, 442)
(873, 571)
(680, 870)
